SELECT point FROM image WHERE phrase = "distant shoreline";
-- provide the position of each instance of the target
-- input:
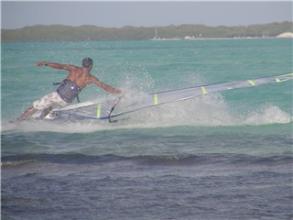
(171, 32)
(223, 38)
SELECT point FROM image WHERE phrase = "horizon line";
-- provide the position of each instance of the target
(143, 26)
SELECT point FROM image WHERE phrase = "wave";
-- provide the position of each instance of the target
(267, 115)
(148, 160)
(208, 112)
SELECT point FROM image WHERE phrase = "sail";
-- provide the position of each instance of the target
(116, 107)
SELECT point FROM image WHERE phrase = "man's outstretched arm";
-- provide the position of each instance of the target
(58, 66)
(105, 86)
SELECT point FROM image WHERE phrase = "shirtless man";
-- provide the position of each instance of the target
(77, 79)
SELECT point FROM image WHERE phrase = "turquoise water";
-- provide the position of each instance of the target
(222, 156)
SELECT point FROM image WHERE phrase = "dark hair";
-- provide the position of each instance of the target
(87, 62)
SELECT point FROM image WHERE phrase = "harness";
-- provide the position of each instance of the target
(68, 90)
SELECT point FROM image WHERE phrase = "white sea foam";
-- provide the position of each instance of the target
(268, 114)
(203, 111)
(208, 111)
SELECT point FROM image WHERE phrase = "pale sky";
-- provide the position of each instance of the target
(118, 14)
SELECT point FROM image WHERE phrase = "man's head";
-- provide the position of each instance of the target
(87, 62)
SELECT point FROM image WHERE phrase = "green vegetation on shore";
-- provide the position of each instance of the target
(87, 32)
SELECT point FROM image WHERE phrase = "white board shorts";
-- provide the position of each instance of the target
(51, 100)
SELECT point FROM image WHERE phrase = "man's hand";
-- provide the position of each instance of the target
(117, 91)
(42, 63)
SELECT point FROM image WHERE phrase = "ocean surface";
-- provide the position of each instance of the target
(222, 156)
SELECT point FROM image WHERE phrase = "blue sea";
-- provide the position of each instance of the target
(223, 156)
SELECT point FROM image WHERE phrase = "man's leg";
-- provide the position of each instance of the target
(27, 113)
(44, 104)
(38, 105)
(45, 112)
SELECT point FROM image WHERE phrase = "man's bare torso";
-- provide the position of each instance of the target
(80, 76)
